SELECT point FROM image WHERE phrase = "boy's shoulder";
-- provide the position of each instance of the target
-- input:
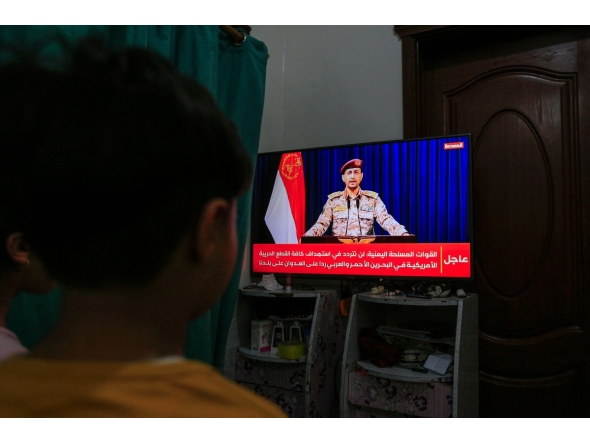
(41, 388)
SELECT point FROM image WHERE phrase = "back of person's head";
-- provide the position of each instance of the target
(108, 160)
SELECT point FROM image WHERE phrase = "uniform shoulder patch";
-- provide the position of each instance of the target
(335, 194)
(370, 193)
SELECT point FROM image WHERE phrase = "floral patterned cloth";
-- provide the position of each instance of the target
(292, 402)
(389, 395)
(288, 376)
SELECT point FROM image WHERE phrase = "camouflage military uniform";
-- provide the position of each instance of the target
(370, 207)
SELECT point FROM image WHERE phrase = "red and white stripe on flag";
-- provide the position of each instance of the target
(285, 216)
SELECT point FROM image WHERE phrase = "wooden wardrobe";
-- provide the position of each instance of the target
(523, 92)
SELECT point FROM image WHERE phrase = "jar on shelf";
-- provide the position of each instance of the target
(278, 335)
(296, 333)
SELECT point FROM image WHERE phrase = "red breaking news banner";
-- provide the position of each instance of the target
(420, 260)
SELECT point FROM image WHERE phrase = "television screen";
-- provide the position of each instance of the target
(399, 209)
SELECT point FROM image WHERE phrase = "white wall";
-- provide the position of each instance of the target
(329, 85)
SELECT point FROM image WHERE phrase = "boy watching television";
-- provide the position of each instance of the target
(123, 175)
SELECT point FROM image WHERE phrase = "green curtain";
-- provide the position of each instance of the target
(236, 77)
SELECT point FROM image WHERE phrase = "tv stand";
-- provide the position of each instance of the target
(302, 387)
(405, 389)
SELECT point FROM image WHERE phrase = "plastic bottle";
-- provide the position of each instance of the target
(296, 333)
(278, 335)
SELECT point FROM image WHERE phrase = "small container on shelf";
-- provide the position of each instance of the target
(291, 350)
(278, 335)
(261, 336)
(295, 332)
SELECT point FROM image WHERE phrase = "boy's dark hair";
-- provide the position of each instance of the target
(107, 162)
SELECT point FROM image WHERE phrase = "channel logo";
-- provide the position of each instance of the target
(453, 145)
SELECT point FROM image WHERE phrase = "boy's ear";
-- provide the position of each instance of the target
(17, 249)
(214, 228)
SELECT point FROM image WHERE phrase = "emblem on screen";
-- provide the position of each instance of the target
(453, 145)
(356, 240)
(291, 165)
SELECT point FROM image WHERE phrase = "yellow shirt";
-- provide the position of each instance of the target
(45, 388)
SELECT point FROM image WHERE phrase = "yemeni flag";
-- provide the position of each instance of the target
(285, 216)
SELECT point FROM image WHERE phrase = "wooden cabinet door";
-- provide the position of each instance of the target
(523, 93)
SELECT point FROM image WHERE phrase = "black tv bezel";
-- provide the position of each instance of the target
(349, 277)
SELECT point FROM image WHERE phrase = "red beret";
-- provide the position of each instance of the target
(353, 163)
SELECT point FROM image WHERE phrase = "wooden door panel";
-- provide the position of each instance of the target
(505, 197)
(545, 354)
(519, 91)
(530, 397)
(518, 183)
(523, 268)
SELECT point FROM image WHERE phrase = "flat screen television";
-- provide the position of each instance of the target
(396, 209)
